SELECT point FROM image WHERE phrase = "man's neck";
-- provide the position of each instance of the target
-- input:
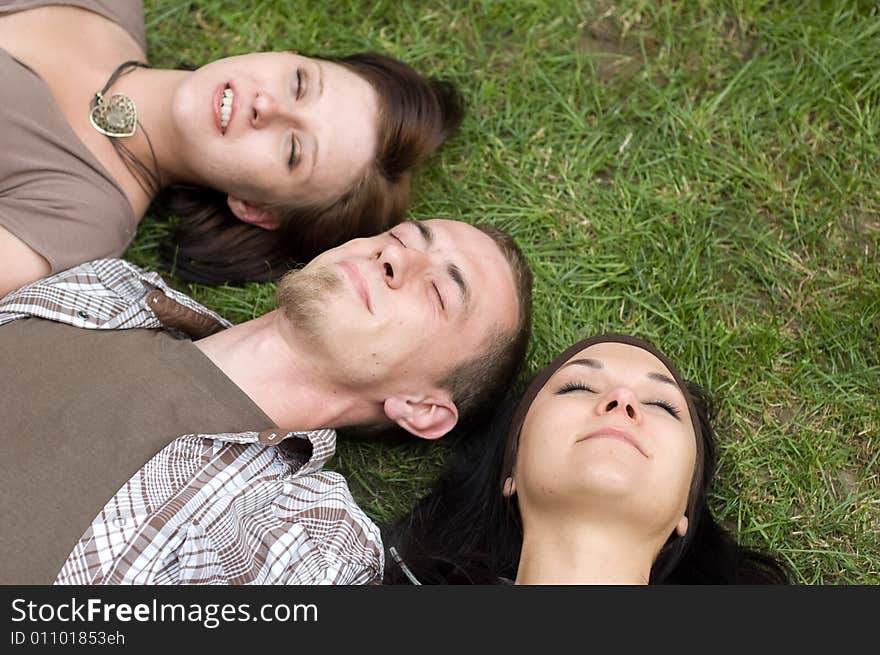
(289, 383)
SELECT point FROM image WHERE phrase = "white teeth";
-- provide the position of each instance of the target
(226, 107)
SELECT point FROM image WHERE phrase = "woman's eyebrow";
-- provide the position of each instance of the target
(663, 378)
(320, 79)
(315, 146)
(315, 143)
(592, 363)
(595, 363)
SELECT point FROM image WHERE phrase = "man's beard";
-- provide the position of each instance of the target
(302, 295)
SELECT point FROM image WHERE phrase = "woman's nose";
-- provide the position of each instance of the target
(620, 400)
(265, 109)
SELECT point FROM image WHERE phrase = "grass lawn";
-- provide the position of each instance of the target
(704, 174)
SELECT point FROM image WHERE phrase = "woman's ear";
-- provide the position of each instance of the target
(681, 527)
(509, 487)
(254, 214)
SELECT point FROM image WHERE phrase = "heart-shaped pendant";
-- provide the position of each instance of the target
(115, 116)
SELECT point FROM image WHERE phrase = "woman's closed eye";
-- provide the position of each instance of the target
(568, 387)
(298, 93)
(397, 238)
(292, 160)
(299, 85)
(669, 407)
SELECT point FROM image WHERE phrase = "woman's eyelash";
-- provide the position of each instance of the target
(674, 411)
(397, 238)
(580, 386)
(298, 83)
(575, 386)
(292, 159)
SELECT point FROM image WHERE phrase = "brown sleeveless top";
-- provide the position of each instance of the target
(54, 194)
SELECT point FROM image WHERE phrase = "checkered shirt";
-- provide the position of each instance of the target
(206, 509)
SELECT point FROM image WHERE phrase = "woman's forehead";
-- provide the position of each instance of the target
(618, 357)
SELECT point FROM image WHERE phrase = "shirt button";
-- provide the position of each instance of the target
(119, 522)
(287, 488)
(270, 437)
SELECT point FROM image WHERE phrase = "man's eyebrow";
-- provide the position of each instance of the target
(457, 277)
(663, 378)
(452, 269)
(426, 232)
(592, 363)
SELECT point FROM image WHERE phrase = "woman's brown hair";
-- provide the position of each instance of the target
(211, 246)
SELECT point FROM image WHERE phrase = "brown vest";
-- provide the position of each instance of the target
(81, 411)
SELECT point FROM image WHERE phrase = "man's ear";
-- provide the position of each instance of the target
(681, 527)
(254, 214)
(429, 417)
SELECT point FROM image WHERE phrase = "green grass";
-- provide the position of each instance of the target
(703, 174)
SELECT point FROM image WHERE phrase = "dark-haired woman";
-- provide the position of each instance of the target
(600, 476)
(268, 157)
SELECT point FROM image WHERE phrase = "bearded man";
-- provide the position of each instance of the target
(134, 455)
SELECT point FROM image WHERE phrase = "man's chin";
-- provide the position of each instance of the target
(303, 297)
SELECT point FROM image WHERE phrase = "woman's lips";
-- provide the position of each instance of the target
(217, 102)
(359, 283)
(616, 433)
(218, 97)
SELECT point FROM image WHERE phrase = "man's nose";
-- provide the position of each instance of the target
(620, 400)
(400, 264)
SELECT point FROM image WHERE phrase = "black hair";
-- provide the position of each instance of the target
(465, 532)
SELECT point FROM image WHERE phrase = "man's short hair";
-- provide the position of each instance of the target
(479, 383)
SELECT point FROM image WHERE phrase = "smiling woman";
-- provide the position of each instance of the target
(266, 158)
(600, 475)
(362, 124)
